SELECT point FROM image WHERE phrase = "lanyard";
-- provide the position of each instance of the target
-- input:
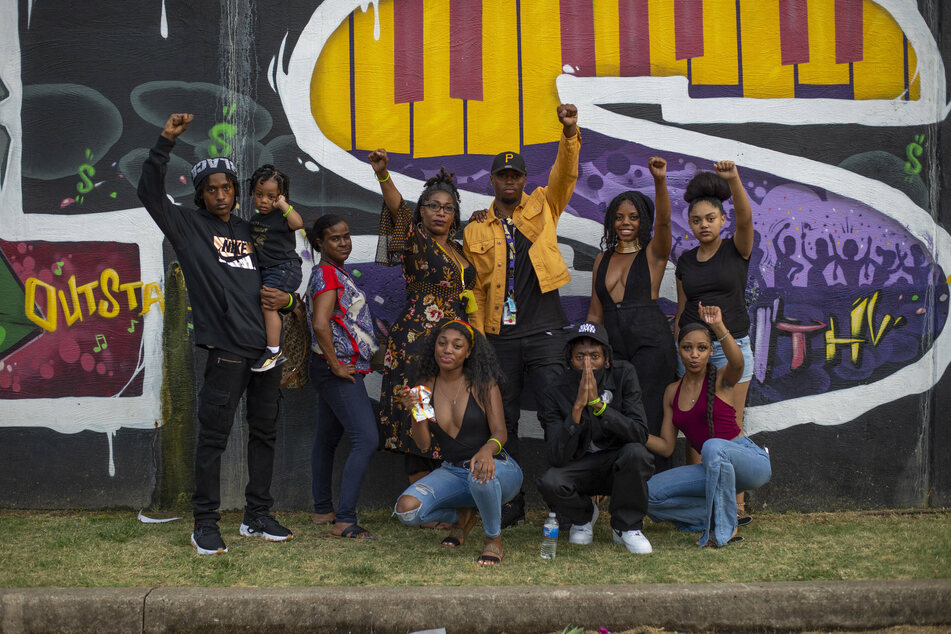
(508, 228)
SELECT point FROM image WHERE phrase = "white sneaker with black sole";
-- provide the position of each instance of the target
(207, 540)
(583, 534)
(267, 527)
(635, 541)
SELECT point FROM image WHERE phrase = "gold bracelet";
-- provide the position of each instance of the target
(725, 335)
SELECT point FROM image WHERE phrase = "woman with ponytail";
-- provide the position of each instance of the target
(439, 280)
(702, 497)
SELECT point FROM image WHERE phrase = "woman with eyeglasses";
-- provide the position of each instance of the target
(439, 280)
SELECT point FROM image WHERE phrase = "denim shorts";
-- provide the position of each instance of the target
(285, 276)
(719, 359)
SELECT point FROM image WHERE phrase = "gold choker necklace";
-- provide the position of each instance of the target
(627, 247)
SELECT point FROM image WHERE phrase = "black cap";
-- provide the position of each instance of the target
(208, 166)
(509, 161)
(591, 330)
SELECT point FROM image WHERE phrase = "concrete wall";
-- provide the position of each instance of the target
(835, 112)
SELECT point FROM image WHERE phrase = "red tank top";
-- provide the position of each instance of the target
(693, 422)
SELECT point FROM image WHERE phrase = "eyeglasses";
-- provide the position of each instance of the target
(434, 207)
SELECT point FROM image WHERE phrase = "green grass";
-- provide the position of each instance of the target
(78, 548)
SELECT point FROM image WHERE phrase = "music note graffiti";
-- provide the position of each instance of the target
(59, 268)
(100, 343)
(132, 327)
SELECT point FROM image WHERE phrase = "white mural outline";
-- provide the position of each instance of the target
(70, 415)
(671, 93)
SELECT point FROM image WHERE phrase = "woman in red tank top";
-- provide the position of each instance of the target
(702, 497)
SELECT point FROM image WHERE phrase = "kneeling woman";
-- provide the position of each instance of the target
(702, 497)
(460, 369)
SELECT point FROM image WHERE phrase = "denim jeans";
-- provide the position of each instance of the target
(542, 358)
(699, 497)
(718, 359)
(227, 376)
(285, 276)
(341, 406)
(450, 487)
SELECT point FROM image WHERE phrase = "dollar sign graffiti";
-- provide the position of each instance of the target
(914, 150)
(220, 133)
(86, 171)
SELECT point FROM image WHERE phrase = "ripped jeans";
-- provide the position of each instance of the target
(449, 488)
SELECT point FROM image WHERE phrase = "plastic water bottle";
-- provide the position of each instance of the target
(550, 537)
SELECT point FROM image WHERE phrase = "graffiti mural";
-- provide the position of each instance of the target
(831, 110)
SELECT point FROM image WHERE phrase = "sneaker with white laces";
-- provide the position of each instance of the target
(583, 534)
(207, 540)
(267, 527)
(635, 541)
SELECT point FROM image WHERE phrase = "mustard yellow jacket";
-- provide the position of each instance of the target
(536, 217)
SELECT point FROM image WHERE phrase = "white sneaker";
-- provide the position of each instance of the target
(634, 541)
(583, 534)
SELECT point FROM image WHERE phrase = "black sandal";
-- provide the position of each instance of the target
(355, 531)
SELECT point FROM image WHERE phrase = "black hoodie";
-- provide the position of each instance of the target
(221, 273)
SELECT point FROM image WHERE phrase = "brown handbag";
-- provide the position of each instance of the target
(295, 337)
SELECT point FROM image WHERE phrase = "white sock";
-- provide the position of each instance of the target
(273, 349)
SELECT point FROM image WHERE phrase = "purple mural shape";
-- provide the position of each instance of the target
(836, 289)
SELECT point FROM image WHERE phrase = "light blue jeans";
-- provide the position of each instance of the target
(718, 358)
(701, 497)
(450, 487)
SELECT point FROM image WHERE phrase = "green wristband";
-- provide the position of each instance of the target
(604, 406)
(290, 303)
(290, 208)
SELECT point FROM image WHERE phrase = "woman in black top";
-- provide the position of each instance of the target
(460, 370)
(625, 286)
(715, 272)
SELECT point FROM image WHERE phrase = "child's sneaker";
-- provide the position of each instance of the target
(267, 527)
(207, 540)
(268, 361)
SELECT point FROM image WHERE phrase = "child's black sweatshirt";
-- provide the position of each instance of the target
(221, 273)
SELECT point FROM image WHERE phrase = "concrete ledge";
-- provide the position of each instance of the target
(734, 607)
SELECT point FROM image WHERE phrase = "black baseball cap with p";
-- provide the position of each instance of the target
(509, 161)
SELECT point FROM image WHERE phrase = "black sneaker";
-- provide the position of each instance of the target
(207, 540)
(267, 527)
(513, 512)
(268, 361)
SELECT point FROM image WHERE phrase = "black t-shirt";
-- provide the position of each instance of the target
(273, 240)
(720, 281)
(536, 311)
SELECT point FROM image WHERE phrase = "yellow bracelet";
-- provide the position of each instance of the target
(385, 179)
(495, 440)
(290, 303)
(604, 406)
(596, 401)
(290, 208)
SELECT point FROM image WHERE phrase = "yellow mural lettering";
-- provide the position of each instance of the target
(46, 314)
(150, 295)
(30, 306)
(108, 278)
(77, 312)
(861, 318)
(86, 290)
(129, 289)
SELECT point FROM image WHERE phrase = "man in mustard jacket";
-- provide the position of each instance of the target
(519, 270)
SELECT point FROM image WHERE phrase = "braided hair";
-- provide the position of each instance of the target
(268, 172)
(711, 369)
(707, 187)
(442, 182)
(645, 213)
(481, 369)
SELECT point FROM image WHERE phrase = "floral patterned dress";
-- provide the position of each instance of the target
(433, 284)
